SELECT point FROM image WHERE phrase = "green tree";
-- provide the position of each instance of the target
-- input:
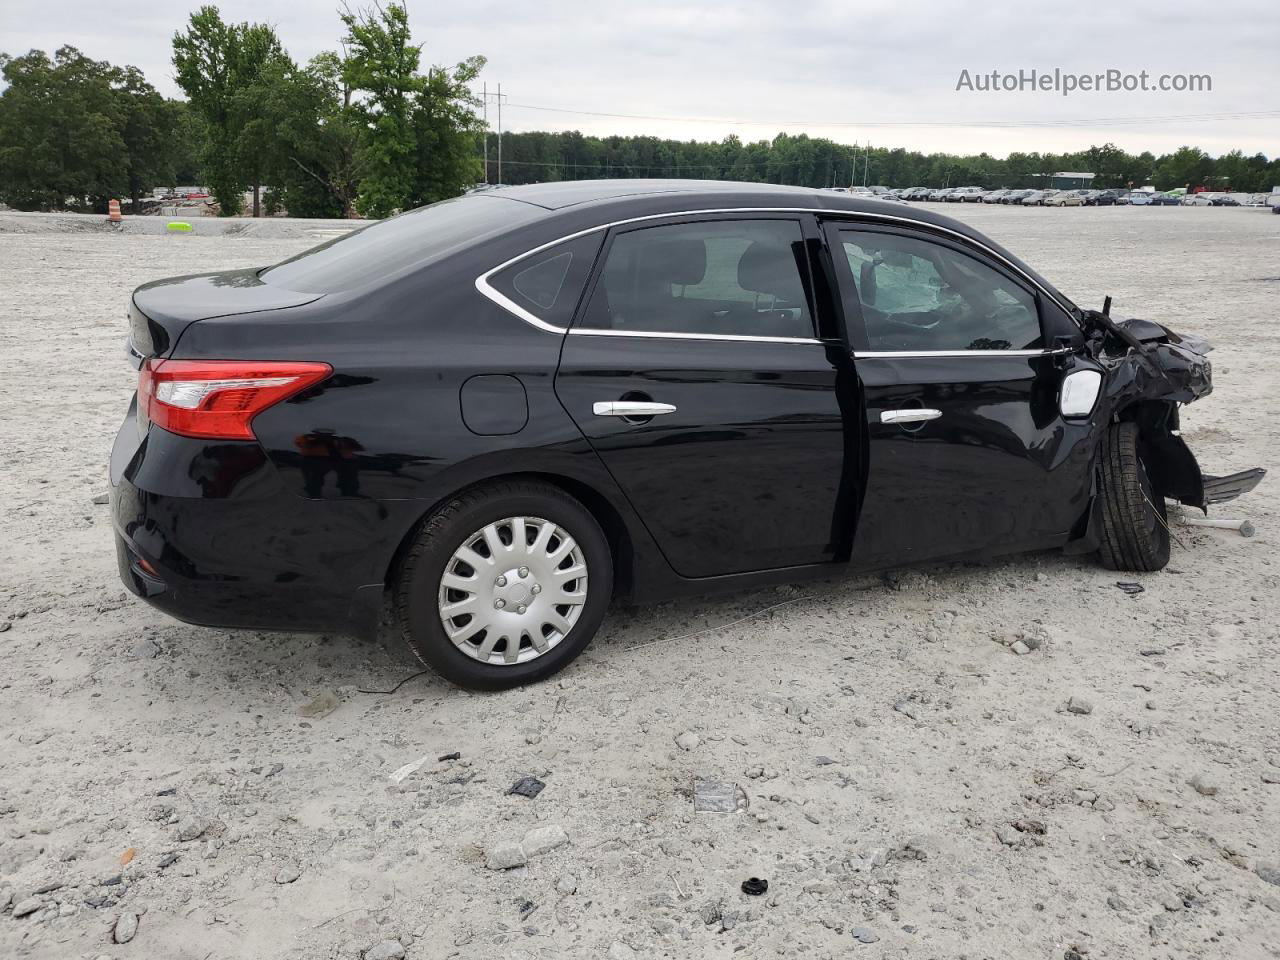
(1185, 167)
(447, 133)
(149, 126)
(382, 62)
(203, 57)
(322, 133)
(60, 131)
(229, 72)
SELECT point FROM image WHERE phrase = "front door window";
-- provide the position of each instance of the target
(923, 296)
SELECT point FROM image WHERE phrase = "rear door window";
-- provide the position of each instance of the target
(744, 278)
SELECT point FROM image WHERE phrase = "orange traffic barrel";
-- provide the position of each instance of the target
(113, 211)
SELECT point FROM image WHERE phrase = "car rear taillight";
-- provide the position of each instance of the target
(218, 399)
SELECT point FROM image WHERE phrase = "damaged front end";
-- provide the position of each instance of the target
(1148, 373)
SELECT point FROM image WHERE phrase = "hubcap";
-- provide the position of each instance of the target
(513, 590)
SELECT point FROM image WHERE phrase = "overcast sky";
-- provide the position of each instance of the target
(855, 72)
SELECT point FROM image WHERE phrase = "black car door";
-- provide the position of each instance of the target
(696, 370)
(962, 365)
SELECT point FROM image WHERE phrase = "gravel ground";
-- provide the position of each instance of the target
(913, 787)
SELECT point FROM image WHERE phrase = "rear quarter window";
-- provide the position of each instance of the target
(549, 283)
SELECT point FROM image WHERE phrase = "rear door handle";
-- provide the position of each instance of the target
(631, 408)
(910, 415)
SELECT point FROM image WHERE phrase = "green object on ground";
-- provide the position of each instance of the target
(179, 226)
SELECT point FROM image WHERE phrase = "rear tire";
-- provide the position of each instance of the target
(423, 597)
(1135, 531)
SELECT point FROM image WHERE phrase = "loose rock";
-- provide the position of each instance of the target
(190, 828)
(688, 740)
(1203, 787)
(386, 950)
(542, 840)
(1079, 705)
(126, 927)
(567, 885)
(864, 935)
(1270, 872)
(28, 906)
(505, 856)
(288, 873)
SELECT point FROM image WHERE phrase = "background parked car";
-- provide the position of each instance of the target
(1165, 200)
(1100, 198)
(1064, 198)
(964, 195)
(993, 196)
(1015, 196)
(938, 193)
(1139, 198)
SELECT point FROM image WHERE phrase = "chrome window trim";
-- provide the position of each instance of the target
(656, 335)
(947, 354)
(486, 289)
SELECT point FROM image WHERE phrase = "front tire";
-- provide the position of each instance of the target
(1135, 525)
(504, 585)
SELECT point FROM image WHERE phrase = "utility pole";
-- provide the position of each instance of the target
(497, 97)
(866, 163)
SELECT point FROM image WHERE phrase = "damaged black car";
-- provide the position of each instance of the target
(494, 415)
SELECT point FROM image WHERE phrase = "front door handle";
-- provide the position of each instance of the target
(633, 409)
(910, 415)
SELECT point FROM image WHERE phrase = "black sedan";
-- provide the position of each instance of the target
(507, 409)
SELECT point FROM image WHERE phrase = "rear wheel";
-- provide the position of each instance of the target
(504, 585)
(1135, 526)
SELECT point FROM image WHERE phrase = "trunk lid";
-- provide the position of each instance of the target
(160, 311)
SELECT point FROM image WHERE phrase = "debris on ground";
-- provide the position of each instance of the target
(526, 787)
(716, 796)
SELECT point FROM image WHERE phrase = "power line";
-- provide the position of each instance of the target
(1087, 121)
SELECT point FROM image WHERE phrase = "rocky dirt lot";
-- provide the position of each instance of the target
(1015, 759)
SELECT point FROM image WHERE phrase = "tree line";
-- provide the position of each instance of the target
(806, 161)
(363, 130)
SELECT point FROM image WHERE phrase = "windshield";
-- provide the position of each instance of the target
(415, 238)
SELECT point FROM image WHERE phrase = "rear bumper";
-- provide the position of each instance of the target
(238, 551)
(301, 608)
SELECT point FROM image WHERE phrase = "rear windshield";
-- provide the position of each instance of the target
(382, 249)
